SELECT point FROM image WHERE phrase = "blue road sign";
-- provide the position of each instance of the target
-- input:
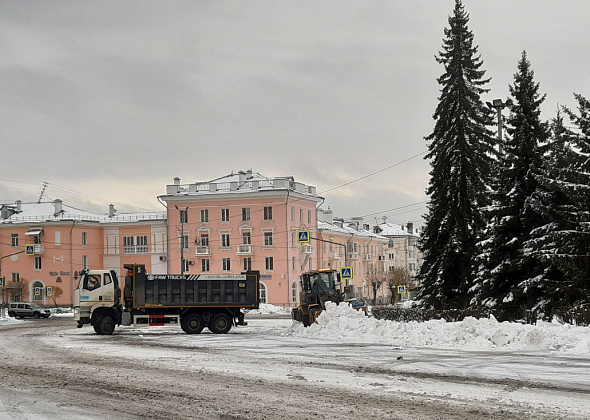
(1, 281)
(303, 236)
(30, 249)
(346, 273)
(401, 290)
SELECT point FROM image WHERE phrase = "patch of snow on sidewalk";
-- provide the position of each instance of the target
(341, 322)
(268, 309)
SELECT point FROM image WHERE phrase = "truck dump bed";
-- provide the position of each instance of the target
(212, 290)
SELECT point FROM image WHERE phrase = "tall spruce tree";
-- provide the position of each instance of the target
(460, 150)
(511, 276)
(568, 237)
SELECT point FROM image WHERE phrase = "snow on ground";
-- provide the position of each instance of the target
(9, 320)
(341, 322)
(268, 309)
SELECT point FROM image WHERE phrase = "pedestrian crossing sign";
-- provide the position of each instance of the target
(346, 273)
(401, 290)
(1, 281)
(303, 236)
(38, 291)
(30, 249)
(49, 290)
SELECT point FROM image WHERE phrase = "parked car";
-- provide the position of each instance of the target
(24, 309)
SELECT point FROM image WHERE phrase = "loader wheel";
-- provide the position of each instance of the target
(192, 324)
(305, 320)
(220, 324)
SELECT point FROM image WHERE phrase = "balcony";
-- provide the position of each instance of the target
(244, 249)
(202, 250)
(306, 249)
(39, 249)
(137, 249)
(353, 255)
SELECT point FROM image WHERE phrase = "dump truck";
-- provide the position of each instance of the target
(318, 287)
(215, 301)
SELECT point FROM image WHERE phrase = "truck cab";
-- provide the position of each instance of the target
(97, 300)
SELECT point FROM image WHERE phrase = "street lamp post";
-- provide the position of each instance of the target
(498, 105)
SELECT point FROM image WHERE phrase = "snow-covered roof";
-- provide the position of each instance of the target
(238, 183)
(46, 212)
(348, 229)
(389, 229)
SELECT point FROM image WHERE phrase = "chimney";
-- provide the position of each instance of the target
(410, 227)
(176, 180)
(112, 210)
(366, 226)
(249, 173)
(58, 204)
(19, 206)
(356, 221)
(241, 178)
(328, 215)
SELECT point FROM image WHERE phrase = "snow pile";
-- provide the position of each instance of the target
(267, 309)
(342, 323)
(9, 320)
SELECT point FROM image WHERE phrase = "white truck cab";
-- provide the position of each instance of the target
(97, 296)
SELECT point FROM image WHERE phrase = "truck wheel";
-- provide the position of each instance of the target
(220, 324)
(192, 324)
(11, 314)
(105, 324)
(36, 315)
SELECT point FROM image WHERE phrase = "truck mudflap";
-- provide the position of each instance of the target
(240, 319)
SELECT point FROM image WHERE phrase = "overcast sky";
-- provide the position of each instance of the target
(114, 99)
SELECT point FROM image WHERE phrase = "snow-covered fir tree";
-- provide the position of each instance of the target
(460, 150)
(511, 275)
(567, 240)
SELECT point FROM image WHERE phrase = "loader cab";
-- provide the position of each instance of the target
(320, 286)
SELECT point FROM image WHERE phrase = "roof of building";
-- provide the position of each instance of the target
(238, 183)
(389, 229)
(45, 212)
(348, 229)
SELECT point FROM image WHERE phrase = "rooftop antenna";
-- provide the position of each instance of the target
(45, 185)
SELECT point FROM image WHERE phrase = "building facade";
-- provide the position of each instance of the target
(63, 240)
(243, 221)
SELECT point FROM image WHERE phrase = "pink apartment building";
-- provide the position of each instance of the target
(65, 240)
(364, 250)
(243, 221)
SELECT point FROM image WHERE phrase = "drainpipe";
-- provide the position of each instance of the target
(167, 239)
(287, 240)
(72, 265)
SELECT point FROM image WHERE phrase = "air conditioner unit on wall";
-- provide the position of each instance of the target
(162, 258)
(191, 262)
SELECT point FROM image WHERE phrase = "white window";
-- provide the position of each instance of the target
(292, 214)
(301, 215)
(128, 245)
(142, 245)
(204, 239)
(267, 238)
(225, 240)
(226, 264)
(15, 277)
(57, 238)
(246, 238)
(262, 292)
(14, 240)
(205, 265)
(84, 261)
(225, 215)
(294, 292)
(84, 238)
(308, 216)
(183, 216)
(247, 264)
(268, 213)
(390, 244)
(411, 253)
(184, 241)
(37, 239)
(293, 238)
(37, 263)
(204, 215)
(245, 214)
(293, 259)
(269, 263)
(412, 267)
(185, 265)
(391, 256)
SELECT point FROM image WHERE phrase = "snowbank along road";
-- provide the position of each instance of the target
(51, 370)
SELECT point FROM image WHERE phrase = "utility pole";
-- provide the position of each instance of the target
(498, 105)
(182, 220)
